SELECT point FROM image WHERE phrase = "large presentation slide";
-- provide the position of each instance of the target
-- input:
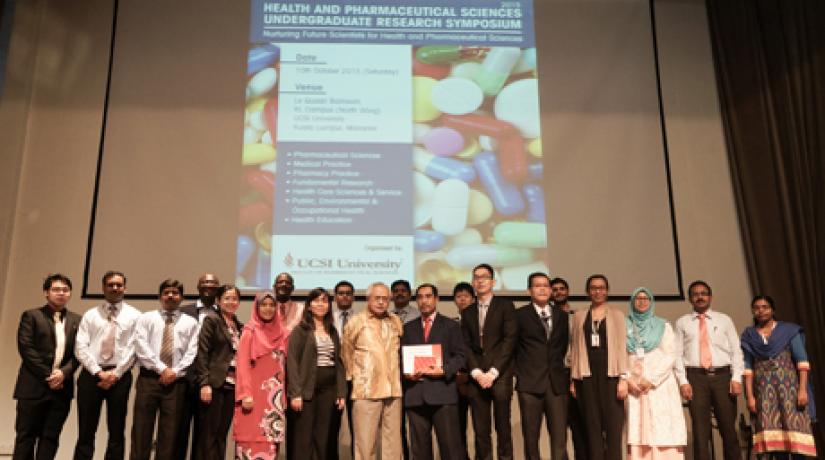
(381, 140)
(393, 139)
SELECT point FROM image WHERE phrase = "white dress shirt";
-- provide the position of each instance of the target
(337, 319)
(724, 344)
(59, 318)
(545, 311)
(407, 313)
(149, 338)
(92, 331)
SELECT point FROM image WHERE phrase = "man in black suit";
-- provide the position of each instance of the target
(542, 381)
(431, 396)
(489, 330)
(44, 388)
(208, 286)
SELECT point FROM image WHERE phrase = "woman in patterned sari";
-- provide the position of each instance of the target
(776, 384)
(259, 390)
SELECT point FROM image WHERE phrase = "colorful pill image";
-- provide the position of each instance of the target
(514, 277)
(534, 147)
(442, 54)
(513, 159)
(261, 181)
(263, 265)
(521, 234)
(534, 194)
(470, 150)
(255, 154)
(467, 237)
(481, 208)
(450, 202)
(467, 70)
(252, 214)
(442, 167)
(424, 189)
(496, 68)
(262, 57)
(428, 240)
(518, 103)
(246, 247)
(494, 254)
(536, 170)
(430, 70)
(443, 142)
(505, 196)
(457, 96)
(527, 62)
(270, 114)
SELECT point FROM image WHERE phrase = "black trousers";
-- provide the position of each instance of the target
(553, 408)
(335, 428)
(577, 429)
(156, 401)
(215, 419)
(90, 400)
(463, 409)
(38, 426)
(497, 401)
(445, 421)
(712, 391)
(312, 424)
(603, 416)
(189, 421)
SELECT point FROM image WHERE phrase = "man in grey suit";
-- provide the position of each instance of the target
(45, 382)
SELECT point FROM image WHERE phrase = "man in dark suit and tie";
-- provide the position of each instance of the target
(489, 330)
(542, 381)
(430, 395)
(208, 285)
(45, 382)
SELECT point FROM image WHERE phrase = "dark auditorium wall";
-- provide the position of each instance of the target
(50, 123)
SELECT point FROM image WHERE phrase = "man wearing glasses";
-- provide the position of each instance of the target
(489, 330)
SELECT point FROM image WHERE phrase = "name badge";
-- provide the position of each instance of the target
(594, 340)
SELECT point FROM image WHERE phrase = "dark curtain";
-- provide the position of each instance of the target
(770, 69)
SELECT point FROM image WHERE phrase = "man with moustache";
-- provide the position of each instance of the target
(560, 292)
(430, 396)
(709, 366)
(105, 350)
(289, 311)
(542, 381)
(370, 352)
(208, 285)
(342, 311)
(44, 388)
(489, 330)
(166, 343)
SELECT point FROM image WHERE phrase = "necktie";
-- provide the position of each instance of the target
(482, 316)
(168, 344)
(107, 345)
(704, 343)
(344, 319)
(401, 314)
(427, 324)
(545, 321)
(59, 340)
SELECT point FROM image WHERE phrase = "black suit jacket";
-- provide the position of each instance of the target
(302, 364)
(36, 344)
(214, 350)
(540, 361)
(500, 330)
(191, 309)
(435, 391)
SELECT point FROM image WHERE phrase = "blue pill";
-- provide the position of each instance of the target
(506, 197)
(262, 57)
(442, 168)
(535, 202)
(536, 170)
(246, 247)
(428, 241)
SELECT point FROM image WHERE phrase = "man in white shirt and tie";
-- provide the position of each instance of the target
(105, 350)
(709, 367)
(166, 343)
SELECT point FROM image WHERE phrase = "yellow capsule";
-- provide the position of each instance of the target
(534, 147)
(263, 235)
(256, 105)
(423, 108)
(480, 208)
(255, 154)
(469, 151)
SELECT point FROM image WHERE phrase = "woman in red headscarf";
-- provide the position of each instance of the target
(260, 421)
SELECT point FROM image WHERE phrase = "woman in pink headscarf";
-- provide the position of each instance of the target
(260, 421)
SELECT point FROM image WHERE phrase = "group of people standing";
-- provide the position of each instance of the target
(295, 368)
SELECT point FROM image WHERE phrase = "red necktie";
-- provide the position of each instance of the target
(427, 322)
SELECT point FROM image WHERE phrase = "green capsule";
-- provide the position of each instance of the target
(521, 234)
(444, 54)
